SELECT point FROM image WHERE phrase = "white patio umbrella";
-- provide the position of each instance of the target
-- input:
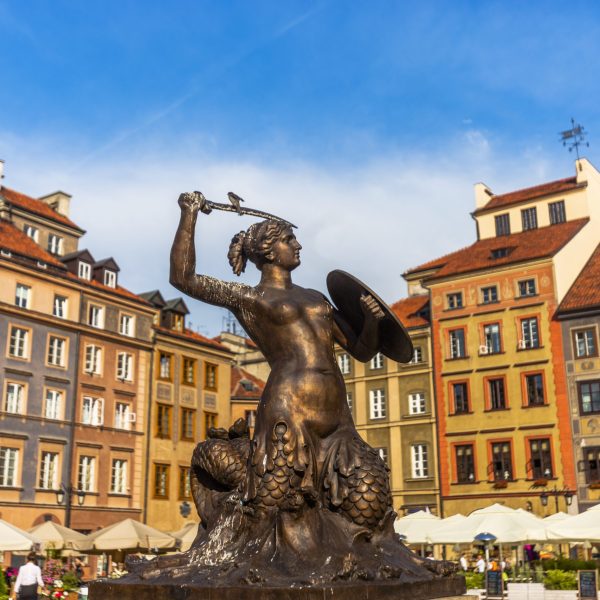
(417, 526)
(56, 536)
(555, 518)
(13, 539)
(584, 527)
(186, 535)
(127, 535)
(506, 524)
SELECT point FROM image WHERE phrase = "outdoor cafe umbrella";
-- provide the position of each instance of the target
(416, 526)
(186, 535)
(506, 524)
(56, 537)
(13, 539)
(126, 536)
(584, 527)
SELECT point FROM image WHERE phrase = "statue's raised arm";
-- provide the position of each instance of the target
(183, 274)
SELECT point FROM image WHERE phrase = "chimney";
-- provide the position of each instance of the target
(483, 195)
(59, 201)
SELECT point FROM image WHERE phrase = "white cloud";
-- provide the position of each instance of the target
(374, 220)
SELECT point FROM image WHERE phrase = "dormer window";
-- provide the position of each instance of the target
(500, 252)
(178, 322)
(110, 278)
(84, 270)
(32, 232)
(247, 385)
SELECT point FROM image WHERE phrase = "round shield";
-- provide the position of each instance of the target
(345, 291)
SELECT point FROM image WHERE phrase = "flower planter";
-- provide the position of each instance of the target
(500, 485)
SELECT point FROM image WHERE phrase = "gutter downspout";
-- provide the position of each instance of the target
(148, 434)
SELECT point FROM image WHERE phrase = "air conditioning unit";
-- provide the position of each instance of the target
(132, 417)
(484, 350)
(522, 344)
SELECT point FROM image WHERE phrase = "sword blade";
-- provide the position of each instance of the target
(253, 212)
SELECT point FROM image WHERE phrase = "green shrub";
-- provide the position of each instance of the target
(475, 581)
(555, 579)
(3, 587)
(70, 581)
(568, 564)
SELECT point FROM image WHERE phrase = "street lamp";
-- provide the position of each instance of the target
(65, 495)
(556, 493)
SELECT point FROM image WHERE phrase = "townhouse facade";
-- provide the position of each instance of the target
(504, 431)
(579, 317)
(191, 381)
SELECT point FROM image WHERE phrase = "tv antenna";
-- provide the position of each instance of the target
(573, 138)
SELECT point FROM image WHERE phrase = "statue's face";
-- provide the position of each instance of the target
(286, 250)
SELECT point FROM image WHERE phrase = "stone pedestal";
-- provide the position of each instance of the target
(449, 588)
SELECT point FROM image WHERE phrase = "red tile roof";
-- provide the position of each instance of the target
(120, 291)
(537, 191)
(409, 310)
(35, 206)
(18, 243)
(527, 245)
(585, 291)
(239, 391)
(188, 334)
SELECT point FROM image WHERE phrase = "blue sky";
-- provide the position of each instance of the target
(364, 123)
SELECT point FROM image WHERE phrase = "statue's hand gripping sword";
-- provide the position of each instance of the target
(208, 206)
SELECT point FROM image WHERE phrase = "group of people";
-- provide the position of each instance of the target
(468, 563)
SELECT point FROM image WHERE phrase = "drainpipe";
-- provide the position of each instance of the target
(146, 480)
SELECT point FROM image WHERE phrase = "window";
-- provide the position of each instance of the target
(93, 360)
(377, 361)
(502, 224)
(465, 463)
(188, 424)
(163, 421)
(210, 376)
(53, 404)
(500, 253)
(55, 244)
(177, 322)
(416, 403)
(417, 356)
(461, 398)
(118, 476)
(455, 300)
(497, 396)
(344, 363)
(165, 369)
(541, 459)
(56, 351)
(489, 294)
(584, 343)
(589, 397)
(93, 411)
(22, 296)
(31, 232)
(501, 466)
(527, 288)
(86, 473)
(250, 416)
(419, 466)
(383, 454)
(591, 458)
(188, 375)
(124, 366)
(529, 333)
(15, 398)
(349, 400)
(49, 471)
(529, 218)
(122, 418)
(491, 338)
(457, 343)
(84, 270)
(110, 279)
(161, 481)
(557, 213)
(534, 388)
(377, 403)
(185, 486)
(19, 342)
(9, 460)
(59, 307)
(96, 316)
(126, 325)
(210, 421)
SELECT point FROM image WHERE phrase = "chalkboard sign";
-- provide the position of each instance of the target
(587, 582)
(494, 585)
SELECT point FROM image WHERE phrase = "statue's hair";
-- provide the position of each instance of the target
(254, 244)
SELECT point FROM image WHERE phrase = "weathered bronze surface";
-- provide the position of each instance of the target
(306, 504)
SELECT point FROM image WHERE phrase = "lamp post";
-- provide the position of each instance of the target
(556, 493)
(65, 495)
(487, 539)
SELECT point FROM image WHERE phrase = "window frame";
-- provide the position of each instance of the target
(170, 358)
(119, 476)
(59, 396)
(376, 362)
(86, 482)
(462, 350)
(580, 330)
(580, 385)
(95, 359)
(122, 418)
(55, 244)
(506, 466)
(557, 212)
(529, 218)
(343, 360)
(489, 294)
(452, 385)
(502, 224)
(529, 453)
(377, 404)
(96, 411)
(129, 331)
(190, 413)
(64, 306)
(188, 365)
(21, 397)
(164, 414)
(495, 384)
(523, 342)
(528, 294)
(5, 467)
(159, 470)
(84, 270)
(419, 463)
(55, 353)
(185, 485)
(471, 477)
(494, 336)
(124, 367)
(454, 301)
(95, 310)
(32, 232)
(417, 400)
(23, 300)
(26, 343)
(110, 278)
(53, 470)
(211, 376)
